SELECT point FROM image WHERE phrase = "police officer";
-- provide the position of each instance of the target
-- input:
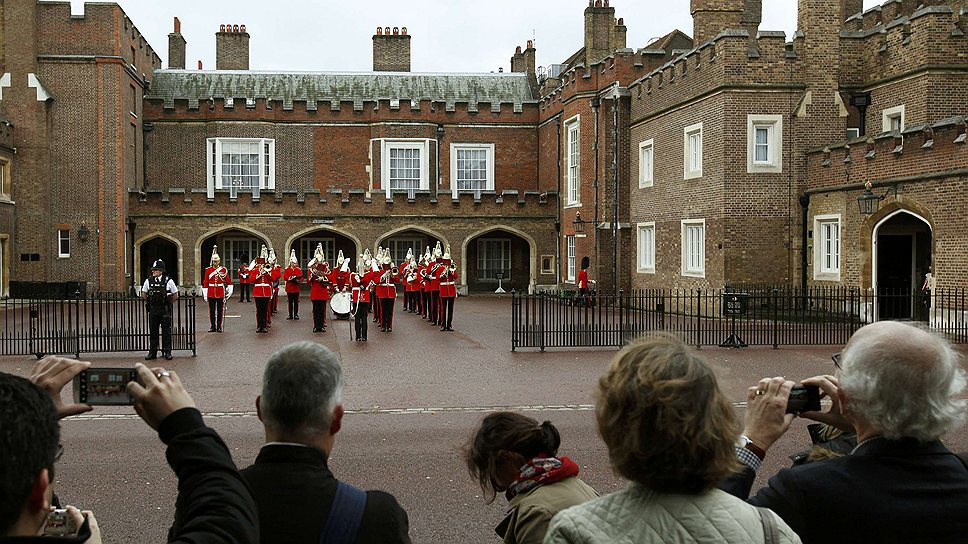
(160, 292)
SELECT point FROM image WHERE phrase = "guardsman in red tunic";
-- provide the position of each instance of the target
(377, 304)
(584, 295)
(276, 274)
(319, 288)
(245, 280)
(447, 275)
(360, 282)
(387, 291)
(433, 280)
(422, 273)
(294, 279)
(340, 276)
(216, 289)
(406, 269)
(262, 289)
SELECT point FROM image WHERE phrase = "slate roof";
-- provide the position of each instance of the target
(357, 87)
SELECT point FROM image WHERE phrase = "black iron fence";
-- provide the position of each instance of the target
(104, 322)
(735, 317)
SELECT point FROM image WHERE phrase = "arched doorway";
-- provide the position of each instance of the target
(902, 256)
(498, 252)
(154, 249)
(235, 246)
(333, 242)
(403, 240)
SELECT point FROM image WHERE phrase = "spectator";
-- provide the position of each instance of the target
(511, 452)
(299, 499)
(213, 503)
(900, 390)
(671, 431)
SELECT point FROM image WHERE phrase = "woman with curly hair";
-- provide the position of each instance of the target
(512, 453)
(672, 432)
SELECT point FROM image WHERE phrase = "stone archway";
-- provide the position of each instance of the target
(235, 245)
(156, 246)
(901, 255)
(333, 240)
(498, 247)
(401, 239)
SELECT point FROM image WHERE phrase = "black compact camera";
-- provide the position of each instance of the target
(804, 398)
(104, 386)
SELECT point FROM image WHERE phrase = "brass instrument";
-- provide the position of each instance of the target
(394, 271)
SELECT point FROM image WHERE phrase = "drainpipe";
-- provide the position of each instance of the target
(805, 213)
(596, 102)
(134, 275)
(558, 222)
(615, 225)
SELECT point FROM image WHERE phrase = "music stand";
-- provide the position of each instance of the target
(500, 277)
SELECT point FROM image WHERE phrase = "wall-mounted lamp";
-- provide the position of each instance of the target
(579, 223)
(868, 202)
(83, 233)
(440, 132)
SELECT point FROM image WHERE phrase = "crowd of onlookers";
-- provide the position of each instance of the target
(879, 474)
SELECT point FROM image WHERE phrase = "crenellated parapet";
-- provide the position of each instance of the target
(731, 59)
(6, 135)
(623, 66)
(899, 40)
(890, 10)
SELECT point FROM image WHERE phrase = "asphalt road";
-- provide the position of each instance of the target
(413, 397)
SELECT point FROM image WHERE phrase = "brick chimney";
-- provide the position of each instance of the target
(599, 30)
(231, 48)
(619, 35)
(391, 50)
(524, 61)
(176, 47)
(710, 17)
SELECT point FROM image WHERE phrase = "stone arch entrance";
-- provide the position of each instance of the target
(154, 248)
(333, 241)
(235, 246)
(497, 250)
(400, 240)
(902, 243)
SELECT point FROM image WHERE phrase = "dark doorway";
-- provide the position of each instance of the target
(903, 257)
(333, 243)
(158, 248)
(401, 242)
(498, 252)
(234, 248)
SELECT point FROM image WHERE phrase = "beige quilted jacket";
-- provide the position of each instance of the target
(640, 515)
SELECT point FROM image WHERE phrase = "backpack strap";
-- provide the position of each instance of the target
(771, 535)
(345, 515)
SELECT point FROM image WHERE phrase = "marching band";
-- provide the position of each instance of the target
(428, 280)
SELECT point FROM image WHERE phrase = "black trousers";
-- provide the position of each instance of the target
(216, 312)
(386, 312)
(159, 321)
(435, 307)
(447, 311)
(425, 303)
(262, 312)
(319, 314)
(377, 309)
(246, 292)
(362, 309)
(293, 299)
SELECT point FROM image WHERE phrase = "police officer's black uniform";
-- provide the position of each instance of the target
(159, 305)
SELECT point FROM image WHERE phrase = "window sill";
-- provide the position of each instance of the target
(647, 185)
(6, 200)
(692, 175)
(694, 274)
(572, 205)
(826, 276)
(646, 270)
(763, 169)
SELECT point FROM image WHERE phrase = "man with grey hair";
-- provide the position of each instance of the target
(298, 497)
(900, 390)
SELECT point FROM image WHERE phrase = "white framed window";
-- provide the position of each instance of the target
(399, 247)
(471, 168)
(63, 243)
(573, 155)
(493, 256)
(5, 189)
(692, 151)
(233, 250)
(764, 143)
(892, 119)
(645, 244)
(853, 133)
(245, 164)
(405, 166)
(570, 253)
(307, 248)
(694, 247)
(826, 247)
(646, 150)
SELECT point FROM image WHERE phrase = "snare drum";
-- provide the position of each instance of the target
(341, 303)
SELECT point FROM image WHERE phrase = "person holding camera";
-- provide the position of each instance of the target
(160, 293)
(299, 498)
(900, 389)
(213, 503)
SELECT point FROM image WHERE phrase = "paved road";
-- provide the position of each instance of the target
(413, 398)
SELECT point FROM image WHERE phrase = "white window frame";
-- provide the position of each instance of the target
(688, 244)
(63, 236)
(570, 252)
(690, 170)
(773, 124)
(646, 164)
(213, 153)
(897, 112)
(853, 132)
(507, 254)
(6, 191)
(645, 247)
(573, 162)
(394, 143)
(489, 174)
(821, 239)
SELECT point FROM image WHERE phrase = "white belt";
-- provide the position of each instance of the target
(447, 283)
(262, 284)
(356, 288)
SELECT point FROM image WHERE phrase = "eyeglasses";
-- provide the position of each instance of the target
(836, 359)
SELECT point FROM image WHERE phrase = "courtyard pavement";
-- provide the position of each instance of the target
(412, 397)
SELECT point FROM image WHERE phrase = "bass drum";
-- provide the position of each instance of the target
(341, 303)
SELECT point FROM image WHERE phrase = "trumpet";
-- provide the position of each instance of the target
(394, 271)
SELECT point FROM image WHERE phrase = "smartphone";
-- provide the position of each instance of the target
(804, 398)
(104, 386)
(60, 523)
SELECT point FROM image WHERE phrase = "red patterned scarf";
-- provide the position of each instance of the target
(540, 471)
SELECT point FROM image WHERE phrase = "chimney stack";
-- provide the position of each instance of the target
(599, 31)
(524, 61)
(710, 17)
(391, 50)
(232, 48)
(176, 47)
(619, 36)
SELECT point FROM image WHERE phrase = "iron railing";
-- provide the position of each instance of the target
(734, 317)
(99, 323)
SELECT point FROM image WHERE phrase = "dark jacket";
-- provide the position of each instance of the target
(294, 490)
(887, 491)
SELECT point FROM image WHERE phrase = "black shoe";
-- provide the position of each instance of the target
(443, 328)
(168, 356)
(151, 356)
(389, 329)
(212, 329)
(218, 330)
(322, 329)
(297, 317)
(290, 317)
